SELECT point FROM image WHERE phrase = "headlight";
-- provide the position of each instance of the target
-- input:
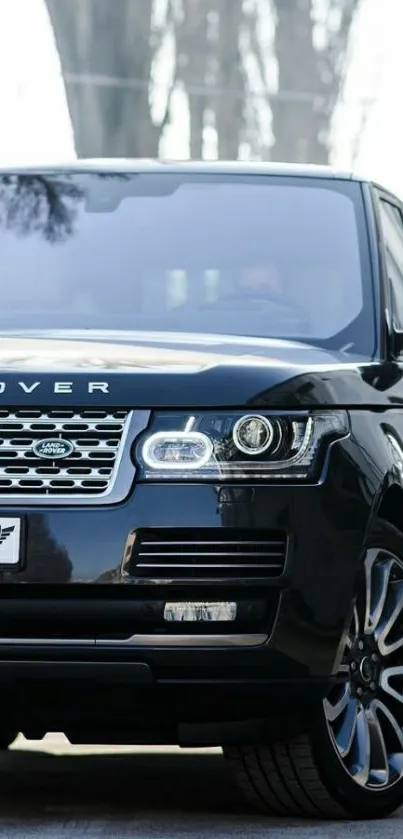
(232, 446)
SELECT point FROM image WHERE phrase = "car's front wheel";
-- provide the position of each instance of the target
(350, 764)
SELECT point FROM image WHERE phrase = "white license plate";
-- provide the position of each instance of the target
(10, 540)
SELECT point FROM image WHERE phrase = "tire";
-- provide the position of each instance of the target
(320, 774)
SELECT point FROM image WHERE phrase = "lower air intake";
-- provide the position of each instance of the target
(206, 554)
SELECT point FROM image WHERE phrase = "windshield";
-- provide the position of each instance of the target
(244, 255)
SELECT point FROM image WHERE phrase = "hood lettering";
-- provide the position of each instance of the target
(63, 387)
(57, 387)
(102, 386)
(29, 388)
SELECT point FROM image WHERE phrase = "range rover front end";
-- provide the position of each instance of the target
(194, 454)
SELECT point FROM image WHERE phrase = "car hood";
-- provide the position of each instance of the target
(148, 369)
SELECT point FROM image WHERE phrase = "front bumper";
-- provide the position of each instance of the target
(76, 606)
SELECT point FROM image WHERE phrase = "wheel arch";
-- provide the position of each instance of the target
(388, 500)
(390, 505)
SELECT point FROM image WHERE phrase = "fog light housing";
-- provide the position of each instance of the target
(200, 612)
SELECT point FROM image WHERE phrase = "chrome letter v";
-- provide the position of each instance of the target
(29, 388)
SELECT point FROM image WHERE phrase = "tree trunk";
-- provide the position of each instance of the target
(209, 58)
(229, 109)
(301, 120)
(197, 106)
(192, 66)
(107, 54)
(297, 124)
(106, 57)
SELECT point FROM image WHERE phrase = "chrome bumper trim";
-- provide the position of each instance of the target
(254, 640)
(139, 641)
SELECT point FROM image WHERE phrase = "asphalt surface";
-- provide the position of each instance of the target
(50, 789)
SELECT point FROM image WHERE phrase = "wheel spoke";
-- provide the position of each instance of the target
(392, 673)
(333, 710)
(395, 757)
(345, 734)
(387, 625)
(379, 764)
(381, 708)
(354, 630)
(377, 576)
(361, 750)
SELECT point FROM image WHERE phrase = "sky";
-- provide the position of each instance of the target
(35, 124)
(375, 74)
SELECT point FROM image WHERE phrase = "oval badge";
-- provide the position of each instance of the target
(53, 449)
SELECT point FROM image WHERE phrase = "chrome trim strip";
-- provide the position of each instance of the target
(230, 566)
(120, 482)
(47, 642)
(207, 553)
(252, 640)
(268, 542)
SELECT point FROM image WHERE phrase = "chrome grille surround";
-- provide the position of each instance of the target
(99, 470)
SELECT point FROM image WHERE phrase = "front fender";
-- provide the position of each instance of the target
(378, 451)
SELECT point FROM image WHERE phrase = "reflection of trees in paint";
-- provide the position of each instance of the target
(396, 452)
(32, 204)
(47, 561)
(46, 205)
(112, 575)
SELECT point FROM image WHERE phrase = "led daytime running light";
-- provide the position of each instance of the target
(181, 438)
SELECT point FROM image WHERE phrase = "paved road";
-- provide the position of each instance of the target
(48, 790)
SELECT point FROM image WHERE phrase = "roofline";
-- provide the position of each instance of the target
(134, 165)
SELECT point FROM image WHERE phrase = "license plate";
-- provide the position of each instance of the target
(10, 540)
(200, 612)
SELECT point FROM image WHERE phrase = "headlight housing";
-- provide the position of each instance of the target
(228, 445)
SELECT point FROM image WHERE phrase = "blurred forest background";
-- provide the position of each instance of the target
(261, 78)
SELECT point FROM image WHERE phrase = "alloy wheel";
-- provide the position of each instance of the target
(364, 710)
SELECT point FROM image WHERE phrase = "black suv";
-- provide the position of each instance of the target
(201, 470)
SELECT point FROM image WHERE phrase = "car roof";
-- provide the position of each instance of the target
(127, 165)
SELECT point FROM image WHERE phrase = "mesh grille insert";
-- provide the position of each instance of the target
(95, 434)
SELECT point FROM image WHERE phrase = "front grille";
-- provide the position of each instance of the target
(205, 554)
(97, 437)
